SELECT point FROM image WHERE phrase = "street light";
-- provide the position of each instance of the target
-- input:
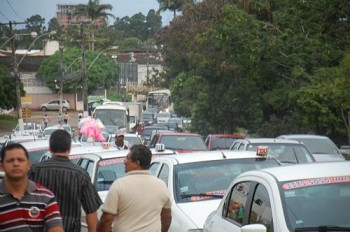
(17, 76)
(33, 34)
(85, 75)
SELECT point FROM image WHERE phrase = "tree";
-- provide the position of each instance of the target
(95, 12)
(103, 73)
(53, 25)
(8, 98)
(173, 5)
(35, 23)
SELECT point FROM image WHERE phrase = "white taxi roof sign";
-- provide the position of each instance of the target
(262, 150)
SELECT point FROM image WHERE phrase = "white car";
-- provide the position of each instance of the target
(322, 148)
(104, 166)
(49, 130)
(197, 181)
(55, 105)
(163, 117)
(29, 128)
(302, 197)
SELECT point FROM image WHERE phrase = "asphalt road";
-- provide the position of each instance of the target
(37, 117)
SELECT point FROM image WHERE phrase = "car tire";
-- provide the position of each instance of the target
(64, 109)
(43, 108)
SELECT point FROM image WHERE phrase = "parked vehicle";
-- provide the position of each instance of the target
(197, 181)
(29, 128)
(304, 197)
(55, 105)
(286, 151)
(221, 141)
(179, 142)
(322, 148)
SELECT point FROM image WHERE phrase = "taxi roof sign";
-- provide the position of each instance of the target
(262, 150)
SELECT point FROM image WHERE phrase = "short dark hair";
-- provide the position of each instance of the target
(60, 141)
(12, 146)
(141, 153)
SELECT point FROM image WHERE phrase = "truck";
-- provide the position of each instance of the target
(134, 112)
(113, 116)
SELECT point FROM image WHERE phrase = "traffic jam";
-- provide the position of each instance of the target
(223, 182)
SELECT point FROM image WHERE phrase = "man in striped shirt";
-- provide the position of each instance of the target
(24, 204)
(70, 183)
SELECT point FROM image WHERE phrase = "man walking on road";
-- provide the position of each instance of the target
(138, 201)
(70, 183)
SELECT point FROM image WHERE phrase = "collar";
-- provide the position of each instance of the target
(60, 158)
(30, 189)
(139, 172)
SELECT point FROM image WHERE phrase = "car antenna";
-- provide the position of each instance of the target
(223, 155)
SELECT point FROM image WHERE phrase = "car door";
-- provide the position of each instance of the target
(53, 105)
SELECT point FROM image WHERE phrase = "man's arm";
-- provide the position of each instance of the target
(165, 217)
(105, 223)
(56, 229)
(91, 221)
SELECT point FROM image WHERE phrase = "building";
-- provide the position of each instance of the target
(65, 15)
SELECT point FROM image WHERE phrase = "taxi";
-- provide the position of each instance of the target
(302, 197)
(198, 180)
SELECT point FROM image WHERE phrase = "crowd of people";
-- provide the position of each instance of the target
(49, 196)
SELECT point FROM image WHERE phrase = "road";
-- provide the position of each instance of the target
(37, 117)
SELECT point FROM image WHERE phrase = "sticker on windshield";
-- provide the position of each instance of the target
(111, 161)
(316, 181)
(207, 195)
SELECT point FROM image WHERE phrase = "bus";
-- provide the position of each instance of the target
(160, 100)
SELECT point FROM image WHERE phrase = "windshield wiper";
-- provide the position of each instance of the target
(323, 228)
(201, 195)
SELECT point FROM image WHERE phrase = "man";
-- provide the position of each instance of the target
(137, 201)
(70, 183)
(120, 143)
(24, 204)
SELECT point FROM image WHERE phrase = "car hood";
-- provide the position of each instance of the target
(327, 157)
(198, 211)
(185, 150)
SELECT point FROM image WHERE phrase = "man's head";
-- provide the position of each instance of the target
(119, 138)
(139, 158)
(15, 161)
(60, 142)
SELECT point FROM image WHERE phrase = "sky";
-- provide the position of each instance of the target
(19, 10)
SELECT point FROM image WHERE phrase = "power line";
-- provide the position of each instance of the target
(14, 10)
(4, 16)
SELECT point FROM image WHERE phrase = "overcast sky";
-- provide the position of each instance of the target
(19, 10)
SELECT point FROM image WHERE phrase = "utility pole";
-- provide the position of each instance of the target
(83, 70)
(17, 78)
(62, 76)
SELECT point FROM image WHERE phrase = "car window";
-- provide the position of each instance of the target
(108, 170)
(241, 147)
(221, 143)
(260, 212)
(154, 167)
(183, 142)
(235, 146)
(234, 210)
(164, 174)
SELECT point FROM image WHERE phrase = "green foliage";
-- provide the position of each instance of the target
(8, 98)
(269, 67)
(103, 73)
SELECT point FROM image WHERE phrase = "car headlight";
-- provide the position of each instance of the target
(195, 230)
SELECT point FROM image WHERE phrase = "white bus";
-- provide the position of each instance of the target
(160, 99)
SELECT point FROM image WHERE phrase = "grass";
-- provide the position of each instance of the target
(7, 123)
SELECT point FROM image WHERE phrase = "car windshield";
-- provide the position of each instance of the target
(191, 179)
(320, 146)
(286, 153)
(222, 143)
(146, 116)
(132, 140)
(312, 203)
(147, 131)
(181, 142)
(107, 171)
